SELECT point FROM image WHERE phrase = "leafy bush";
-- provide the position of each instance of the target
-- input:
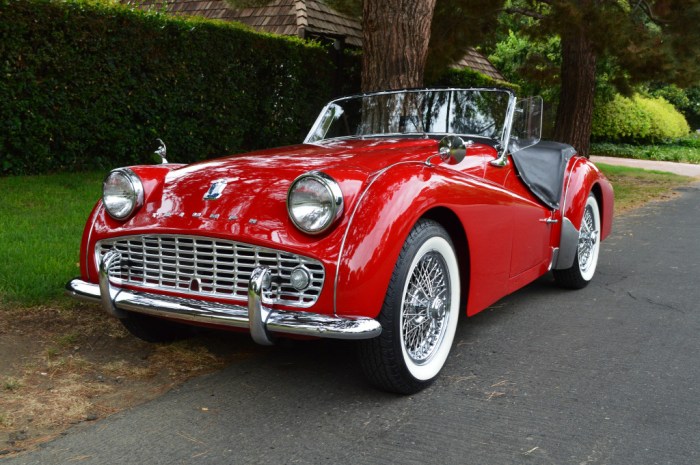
(687, 101)
(638, 119)
(86, 85)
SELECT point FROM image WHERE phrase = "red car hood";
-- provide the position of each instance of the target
(253, 203)
(259, 177)
(287, 163)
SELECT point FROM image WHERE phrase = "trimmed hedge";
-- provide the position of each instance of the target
(638, 119)
(86, 85)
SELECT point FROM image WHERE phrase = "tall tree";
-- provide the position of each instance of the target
(395, 34)
(641, 39)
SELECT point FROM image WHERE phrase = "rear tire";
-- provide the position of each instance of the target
(152, 329)
(419, 315)
(586, 260)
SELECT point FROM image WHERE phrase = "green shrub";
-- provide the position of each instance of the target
(87, 85)
(638, 119)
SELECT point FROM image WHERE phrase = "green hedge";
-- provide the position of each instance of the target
(638, 119)
(86, 85)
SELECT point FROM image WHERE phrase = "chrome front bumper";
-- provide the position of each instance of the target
(259, 319)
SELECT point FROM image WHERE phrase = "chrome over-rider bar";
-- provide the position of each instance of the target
(258, 318)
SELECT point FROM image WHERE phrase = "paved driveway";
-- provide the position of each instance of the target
(607, 375)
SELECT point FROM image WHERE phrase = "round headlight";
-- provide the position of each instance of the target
(122, 193)
(314, 202)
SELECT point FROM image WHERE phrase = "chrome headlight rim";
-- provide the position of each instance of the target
(136, 195)
(336, 195)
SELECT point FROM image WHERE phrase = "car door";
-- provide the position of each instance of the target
(529, 220)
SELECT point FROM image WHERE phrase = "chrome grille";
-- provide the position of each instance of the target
(213, 267)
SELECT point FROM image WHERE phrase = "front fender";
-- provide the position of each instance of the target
(387, 211)
(380, 223)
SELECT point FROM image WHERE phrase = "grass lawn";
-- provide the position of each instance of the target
(635, 187)
(42, 219)
(41, 223)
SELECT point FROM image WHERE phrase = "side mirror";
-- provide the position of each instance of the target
(160, 153)
(452, 149)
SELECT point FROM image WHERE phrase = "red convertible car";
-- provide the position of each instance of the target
(400, 212)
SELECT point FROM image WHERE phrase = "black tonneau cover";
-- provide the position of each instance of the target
(542, 167)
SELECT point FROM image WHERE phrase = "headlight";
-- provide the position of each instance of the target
(314, 202)
(122, 193)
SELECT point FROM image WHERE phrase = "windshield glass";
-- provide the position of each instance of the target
(467, 112)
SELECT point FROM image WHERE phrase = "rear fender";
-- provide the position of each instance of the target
(584, 178)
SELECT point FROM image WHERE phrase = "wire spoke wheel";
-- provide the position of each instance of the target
(419, 315)
(588, 239)
(423, 314)
(586, 260)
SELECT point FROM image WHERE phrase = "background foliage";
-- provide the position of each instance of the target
(638, 119)
(87, 85)
(466, 77)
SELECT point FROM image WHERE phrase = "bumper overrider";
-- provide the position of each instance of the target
(261, 320)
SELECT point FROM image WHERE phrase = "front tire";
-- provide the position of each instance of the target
(419, 315)
(586, 259)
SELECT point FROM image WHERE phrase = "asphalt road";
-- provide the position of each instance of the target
(606, 375)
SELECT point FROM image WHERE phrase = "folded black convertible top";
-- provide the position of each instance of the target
(542, 167)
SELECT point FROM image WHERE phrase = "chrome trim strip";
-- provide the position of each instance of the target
(230, 315)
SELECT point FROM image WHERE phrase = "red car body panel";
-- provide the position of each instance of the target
(387, 185)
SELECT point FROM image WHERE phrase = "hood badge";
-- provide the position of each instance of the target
(216, 189)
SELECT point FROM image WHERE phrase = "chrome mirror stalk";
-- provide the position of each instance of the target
(161, 151)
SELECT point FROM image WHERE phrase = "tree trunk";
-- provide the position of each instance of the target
(575, 111)
(395, 43)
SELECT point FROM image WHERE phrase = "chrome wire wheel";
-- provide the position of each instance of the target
(425, 308)
(428, 309)
(589, 239)
(419, 315)
(580, 273)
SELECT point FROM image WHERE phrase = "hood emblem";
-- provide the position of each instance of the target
(216, 189)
